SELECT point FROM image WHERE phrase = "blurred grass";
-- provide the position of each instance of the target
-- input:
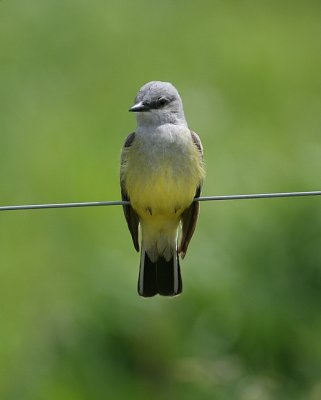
(248, 325)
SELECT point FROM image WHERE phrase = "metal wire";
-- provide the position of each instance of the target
(64, 205)
(259, 196)
(122, 203)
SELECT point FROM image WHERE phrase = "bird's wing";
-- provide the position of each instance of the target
(190, 215)
(130, 214)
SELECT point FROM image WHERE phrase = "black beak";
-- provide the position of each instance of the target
(139, 107)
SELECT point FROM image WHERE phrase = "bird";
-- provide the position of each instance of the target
(161, 173)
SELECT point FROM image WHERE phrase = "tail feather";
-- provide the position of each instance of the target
(161, 276)
(169, 280)
(147, 280)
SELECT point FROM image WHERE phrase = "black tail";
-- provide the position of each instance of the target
(163, 277)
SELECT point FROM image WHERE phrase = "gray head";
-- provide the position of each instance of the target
(158, 103)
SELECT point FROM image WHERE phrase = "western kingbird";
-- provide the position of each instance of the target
(161, 173)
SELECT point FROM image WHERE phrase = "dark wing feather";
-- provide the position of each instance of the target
(189, 220)
(190, 215)
(130, 214)
(197, 142)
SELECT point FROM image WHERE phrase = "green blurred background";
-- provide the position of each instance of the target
(248, 325)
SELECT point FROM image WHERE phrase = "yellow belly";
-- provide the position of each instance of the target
(160, 194)
(162, 187)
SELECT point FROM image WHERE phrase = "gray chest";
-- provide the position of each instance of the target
(164, 147)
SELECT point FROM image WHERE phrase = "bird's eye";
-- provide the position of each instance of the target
(162, 101)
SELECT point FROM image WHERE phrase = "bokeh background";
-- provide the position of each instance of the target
(248, 325)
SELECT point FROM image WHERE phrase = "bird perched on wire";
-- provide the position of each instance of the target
(161, 173)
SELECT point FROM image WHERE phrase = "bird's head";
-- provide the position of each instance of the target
(158, 103)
